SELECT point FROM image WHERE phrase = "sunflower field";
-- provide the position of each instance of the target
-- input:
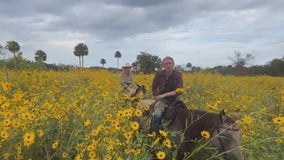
(83, 114)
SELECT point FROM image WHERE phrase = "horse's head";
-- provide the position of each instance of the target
(228, 137)
(136, 90)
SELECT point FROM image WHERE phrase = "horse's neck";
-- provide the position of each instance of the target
(205, 119)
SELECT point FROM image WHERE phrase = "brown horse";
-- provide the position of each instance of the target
(225, 134)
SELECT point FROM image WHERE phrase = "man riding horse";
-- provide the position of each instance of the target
(164, 87)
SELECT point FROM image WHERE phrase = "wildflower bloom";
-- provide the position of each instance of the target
(128, 135)
(87, 122)
(64, 155)
(205, 134)
(163, 133)
(29, 138)
(4, 135)
(153, 134)
(278, 140)
(55, 144)
(161, 155)
(134, 125)
(6, 86)
(179, 90)
(138, 113)
(278, 120)
(40, 133)
(167, 143)
(247, 120)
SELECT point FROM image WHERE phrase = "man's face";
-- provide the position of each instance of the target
(127, 69)
(168, 64)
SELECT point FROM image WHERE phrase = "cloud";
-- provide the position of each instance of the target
(204, 33)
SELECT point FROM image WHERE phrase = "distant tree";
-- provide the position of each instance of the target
(40, 56)
(147, 63)
(13, 47)
(239, 61)
(117, 55)
(103, 62)
(81, 50)
(188, 66)
(1, 51)
(277, 67)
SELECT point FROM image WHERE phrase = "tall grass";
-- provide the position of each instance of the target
(82, 114)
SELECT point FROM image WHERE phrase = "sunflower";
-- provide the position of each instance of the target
(55, 144)
(6, 86)
(134, 125)
(278, 120)
(40, 133)
(205, 134)
(167, 143)
(179, 90)
(161, 155)
(29, 138)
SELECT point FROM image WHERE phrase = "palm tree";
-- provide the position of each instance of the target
(81, 50)
(117, 55)
(103, 62)
(13, 47)
(40, 56)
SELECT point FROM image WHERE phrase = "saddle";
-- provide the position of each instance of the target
(171, 111)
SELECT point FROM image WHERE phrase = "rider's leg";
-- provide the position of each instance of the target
(157, 116)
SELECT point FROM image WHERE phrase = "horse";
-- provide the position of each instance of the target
(225, 134)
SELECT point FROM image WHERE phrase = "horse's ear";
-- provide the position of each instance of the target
(236, 115)
(222, 116)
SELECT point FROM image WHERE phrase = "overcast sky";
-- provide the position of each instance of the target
(205, 33)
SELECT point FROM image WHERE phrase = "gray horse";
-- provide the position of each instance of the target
(189, 123)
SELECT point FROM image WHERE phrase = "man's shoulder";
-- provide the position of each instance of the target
(161, 72)
(177, 72)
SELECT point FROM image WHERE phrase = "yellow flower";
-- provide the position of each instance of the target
(108, 116)
(205, 134)
(157, 140)
(92, 154)
(40, 133)
(163, 133)
(4, 134)
(161, 155)
(110, 148)
(278, 120)
(138, 113)
(179, 90)
(278, 140)
(153, 134)
(247, 120)
(134, 125)
(87, 122)
(91, 147)
(55, 144)
(167, 143)
(29, 138)
(6, 86)
(64, 155)
(128, 135)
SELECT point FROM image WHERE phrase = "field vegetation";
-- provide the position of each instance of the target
(83, 114)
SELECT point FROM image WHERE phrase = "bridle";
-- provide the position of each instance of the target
(229, 128)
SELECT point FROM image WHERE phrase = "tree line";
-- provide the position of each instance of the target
(145, 62)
